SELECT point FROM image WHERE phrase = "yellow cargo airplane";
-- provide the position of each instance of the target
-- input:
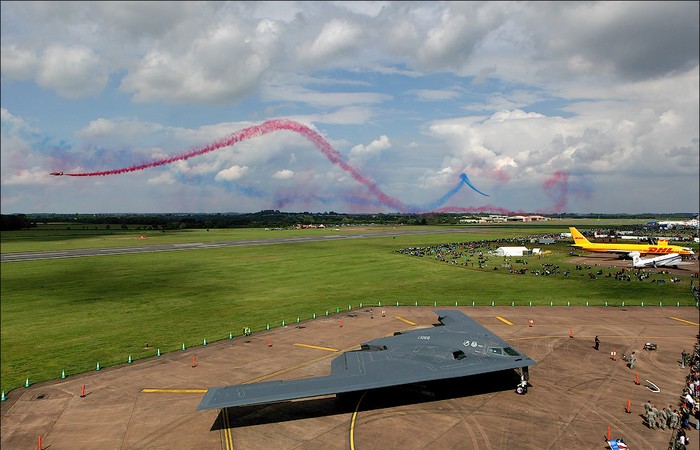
(661, 248)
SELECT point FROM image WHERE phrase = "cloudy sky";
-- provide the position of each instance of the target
(546, 107)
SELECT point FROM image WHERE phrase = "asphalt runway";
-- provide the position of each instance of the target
(155, 248)
(576, 392)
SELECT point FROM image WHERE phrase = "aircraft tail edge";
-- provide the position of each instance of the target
(636, 258)
(578, 237)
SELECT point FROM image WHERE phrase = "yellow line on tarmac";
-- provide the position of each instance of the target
(228, 436)
(317, 347)
(352, 422)
(289, 369)
(174, 391)
(686, 321)
(507, 322)
(407, 321)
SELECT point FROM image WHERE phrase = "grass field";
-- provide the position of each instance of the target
(69, 314)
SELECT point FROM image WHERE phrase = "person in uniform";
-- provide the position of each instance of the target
(661, 419)
(675, 418)
(651, 418)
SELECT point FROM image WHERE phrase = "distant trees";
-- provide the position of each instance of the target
(269, 218)
(10, 222)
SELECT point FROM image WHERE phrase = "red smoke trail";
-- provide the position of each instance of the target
(556, 188)
(255, 131)
(479, 209)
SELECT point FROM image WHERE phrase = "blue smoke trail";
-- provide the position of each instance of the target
(463, 179)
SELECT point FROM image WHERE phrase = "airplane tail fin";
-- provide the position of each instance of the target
(635, 258)
(578, 237)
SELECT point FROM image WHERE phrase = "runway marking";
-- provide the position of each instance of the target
(317, 347)
(228, 435)
(352, 422)
(289, 369)
(174, 391)
(507, 322)
(686, 321)
(407, 321)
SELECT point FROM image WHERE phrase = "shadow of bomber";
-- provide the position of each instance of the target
(374, 399)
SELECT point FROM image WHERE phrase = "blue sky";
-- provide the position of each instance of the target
(547, 107)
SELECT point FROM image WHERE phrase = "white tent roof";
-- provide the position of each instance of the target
(511, 251)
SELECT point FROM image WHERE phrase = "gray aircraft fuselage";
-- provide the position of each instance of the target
(458, 347)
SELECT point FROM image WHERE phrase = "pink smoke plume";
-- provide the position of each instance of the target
(556, 188)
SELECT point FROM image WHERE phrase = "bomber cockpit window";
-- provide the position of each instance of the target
(510, 352)
(496, 350)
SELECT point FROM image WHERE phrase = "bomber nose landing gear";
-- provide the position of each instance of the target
(522, 386)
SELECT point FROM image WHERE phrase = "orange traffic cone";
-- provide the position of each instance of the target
(629, 406)
(636, 378)
(341, 323)
(531, 322)
(194, 362)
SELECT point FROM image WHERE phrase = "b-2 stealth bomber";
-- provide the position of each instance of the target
(457, 347)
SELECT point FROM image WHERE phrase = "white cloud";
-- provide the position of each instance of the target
(367, 8)
(27, 177)
(436, 95)
(374, 148)
(232, 173)
(321, 99)
(285, 174)
(502, 116)
(12, 123)
(225, 63)
(337, 39)
(164, 178)
(18, 63)
(450, 44)
(125, 128)
(351, 115)
(73, 72)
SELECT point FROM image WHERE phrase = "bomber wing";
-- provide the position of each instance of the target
(459, 347)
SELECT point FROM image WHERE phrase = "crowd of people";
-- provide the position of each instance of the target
(685, 416)
(481, 255)
(688, 404)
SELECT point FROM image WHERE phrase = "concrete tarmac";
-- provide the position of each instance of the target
(576, 392)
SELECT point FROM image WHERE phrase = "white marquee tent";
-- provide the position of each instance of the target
(511, 251)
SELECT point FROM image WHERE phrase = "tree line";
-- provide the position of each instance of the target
(266, 218)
